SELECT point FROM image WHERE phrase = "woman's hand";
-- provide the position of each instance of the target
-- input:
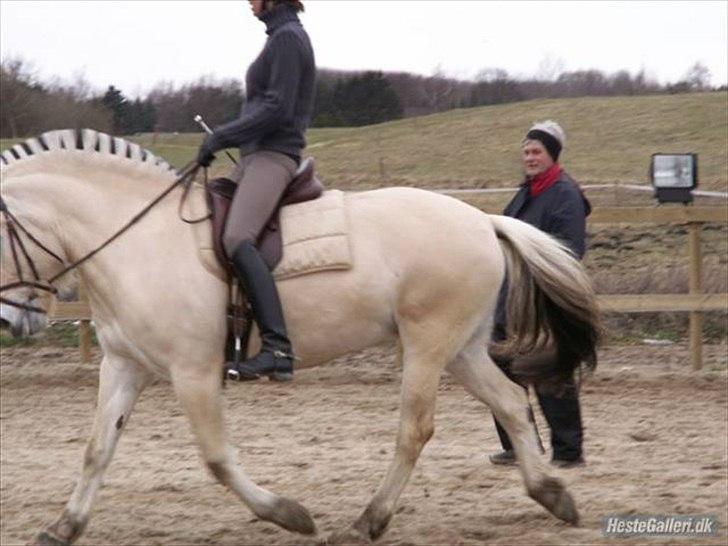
(205, 155)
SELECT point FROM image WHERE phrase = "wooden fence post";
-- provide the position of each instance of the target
(696, 317)
(84, 330)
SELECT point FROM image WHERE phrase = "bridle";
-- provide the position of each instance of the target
(19, 250)
(13, 226)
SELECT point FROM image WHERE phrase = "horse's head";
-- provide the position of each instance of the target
(58, 190)
(30, 255)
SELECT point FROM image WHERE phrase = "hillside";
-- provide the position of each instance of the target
(608, 139)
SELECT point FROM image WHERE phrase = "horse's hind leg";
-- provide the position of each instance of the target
(199, 392)
(475, 370)
(423, 363)
(120, 383)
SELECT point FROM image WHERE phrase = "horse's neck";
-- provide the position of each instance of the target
(93, 208)
(84, 211)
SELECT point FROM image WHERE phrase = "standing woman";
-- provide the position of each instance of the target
(270, 136)
(550, 200)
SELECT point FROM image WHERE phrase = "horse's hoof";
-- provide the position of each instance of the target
(552, 494)
(45, 539)
(291, 516)
(347, 537)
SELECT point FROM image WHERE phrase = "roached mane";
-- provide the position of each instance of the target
(86, 140)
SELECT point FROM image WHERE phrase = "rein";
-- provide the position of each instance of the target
(185, 178)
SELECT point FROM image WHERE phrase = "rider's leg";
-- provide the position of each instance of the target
(275, 358)
(265, 176)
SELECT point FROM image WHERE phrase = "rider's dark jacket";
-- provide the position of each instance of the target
(560, 211)
(279, 91)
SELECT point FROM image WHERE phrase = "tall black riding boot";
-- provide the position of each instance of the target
(275, 359)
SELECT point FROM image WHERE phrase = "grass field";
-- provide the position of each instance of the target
(608, 139)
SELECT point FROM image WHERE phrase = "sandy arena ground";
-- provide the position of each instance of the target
(655, 444)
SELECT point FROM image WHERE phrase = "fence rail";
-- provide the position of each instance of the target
(695, 302)
(615, 186)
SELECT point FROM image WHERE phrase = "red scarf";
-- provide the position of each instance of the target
(541, 182)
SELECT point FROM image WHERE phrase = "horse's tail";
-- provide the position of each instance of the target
(551, 306)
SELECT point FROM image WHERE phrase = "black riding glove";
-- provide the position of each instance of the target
(205, 155)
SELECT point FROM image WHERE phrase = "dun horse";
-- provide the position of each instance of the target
(426, 272)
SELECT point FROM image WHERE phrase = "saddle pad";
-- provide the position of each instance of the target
(315, 236)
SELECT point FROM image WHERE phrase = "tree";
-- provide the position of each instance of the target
(698, 77)
(117, 104)
(550, 68)
(18, 94)
(324, 112)
(494, 87)
(141, 117)
(29, 107)
(216, 101)
(365, 100)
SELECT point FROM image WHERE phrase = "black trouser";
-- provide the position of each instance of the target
(562, 413)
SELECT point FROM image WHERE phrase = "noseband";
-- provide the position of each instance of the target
(13, 226)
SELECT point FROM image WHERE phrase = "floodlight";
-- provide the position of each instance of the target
(674, 177)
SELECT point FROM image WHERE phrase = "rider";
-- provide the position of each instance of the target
(270, 135)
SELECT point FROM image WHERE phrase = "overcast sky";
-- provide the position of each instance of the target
(136, 44)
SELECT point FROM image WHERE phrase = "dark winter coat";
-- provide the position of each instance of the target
(560, 211)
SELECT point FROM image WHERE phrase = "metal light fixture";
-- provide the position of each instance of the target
(674, 177)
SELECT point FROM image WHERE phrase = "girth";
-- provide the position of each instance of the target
(220, 191)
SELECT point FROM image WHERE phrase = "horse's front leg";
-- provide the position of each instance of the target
(121, 381)
(198, 389)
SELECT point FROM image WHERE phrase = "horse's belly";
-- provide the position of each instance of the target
(334, 313)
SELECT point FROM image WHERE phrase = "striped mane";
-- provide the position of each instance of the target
(84, 140)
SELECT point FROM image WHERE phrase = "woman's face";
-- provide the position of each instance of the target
(256, 6)
(536, 159)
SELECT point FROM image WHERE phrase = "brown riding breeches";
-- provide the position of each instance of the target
(262, 178)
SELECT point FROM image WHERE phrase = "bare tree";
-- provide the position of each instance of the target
(18, 93)
(698, 77)
(550, 68)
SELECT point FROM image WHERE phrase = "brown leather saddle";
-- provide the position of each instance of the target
(220, 191)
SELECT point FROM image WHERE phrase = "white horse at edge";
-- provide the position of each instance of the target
(427, 271)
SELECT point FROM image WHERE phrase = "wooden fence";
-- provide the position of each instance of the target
(695, 302)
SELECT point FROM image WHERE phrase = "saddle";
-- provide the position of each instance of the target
(220, 191)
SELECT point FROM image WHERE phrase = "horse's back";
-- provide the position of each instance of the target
(421, 225)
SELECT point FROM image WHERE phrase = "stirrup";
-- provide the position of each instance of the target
(232, 374)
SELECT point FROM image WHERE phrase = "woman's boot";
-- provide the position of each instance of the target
(275, 359)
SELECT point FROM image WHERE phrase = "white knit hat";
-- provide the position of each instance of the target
(551, 129)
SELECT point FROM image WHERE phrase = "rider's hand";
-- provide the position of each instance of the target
(205, 156)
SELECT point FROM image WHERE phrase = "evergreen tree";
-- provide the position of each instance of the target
(140, 117)
(365, 100)
(115, 101)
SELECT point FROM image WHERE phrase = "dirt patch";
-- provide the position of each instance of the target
(655, 443)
